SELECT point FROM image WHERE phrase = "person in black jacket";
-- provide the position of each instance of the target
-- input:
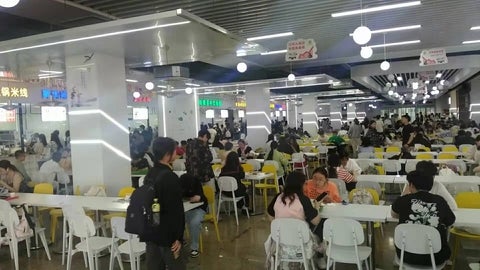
(164, 244)
(193, 192)
(232, 168)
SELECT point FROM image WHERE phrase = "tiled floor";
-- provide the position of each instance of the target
(241, 248)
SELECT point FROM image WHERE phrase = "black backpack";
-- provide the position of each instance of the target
(139, 217)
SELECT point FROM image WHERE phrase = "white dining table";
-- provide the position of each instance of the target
(402, 179)
(389, 179)
(256, 177)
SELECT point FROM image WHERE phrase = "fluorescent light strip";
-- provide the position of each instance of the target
(192, 84)
(311, 122)
(286, 34)
(161, 86)
(104, 143)
(311, 113)
(473, 105)
(93, 37)
(258, 113)
(475, 28)
(295, 86)
(395, 44)
(259, 127)
(97, 111)
(51, 71)
(130, 80)
(375, 9)
(47, 76)
(164, 118)
(195, 100)
(273, 52)
(394, 29)
(472, 113)
(471, 41)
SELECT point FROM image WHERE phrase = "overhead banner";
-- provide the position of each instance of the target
(430, 57)
(300, 50)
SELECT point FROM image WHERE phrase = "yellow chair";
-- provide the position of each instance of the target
(289, 158)
(446, 156)
(217, 167)
(266, 186)
(464, 200)
(378, 155)
(247, 168)
(376, 201)
(42, 188)
(210, 216)
(449, 148)
(392, 149)
(424, 149)
(380, 169)
(121, 194)
(378, 150)
(424, 156)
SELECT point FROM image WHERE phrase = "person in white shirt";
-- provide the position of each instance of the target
(350, 165)
(379, 125)
(52, 172)
(437, 188)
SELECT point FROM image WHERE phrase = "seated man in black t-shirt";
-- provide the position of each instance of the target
(422, 207)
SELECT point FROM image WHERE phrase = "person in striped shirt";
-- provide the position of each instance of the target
(335, 170)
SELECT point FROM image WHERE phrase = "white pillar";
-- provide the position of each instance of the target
(474, 106)
(310, 115)
(98, 121)
(336, 114)
(351, 112)
(178, 116)
(258, 114)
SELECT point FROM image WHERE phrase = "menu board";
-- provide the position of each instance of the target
(140, 113)
(54, 114)
(7, 116)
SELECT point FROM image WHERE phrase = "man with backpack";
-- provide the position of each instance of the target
(164, 234)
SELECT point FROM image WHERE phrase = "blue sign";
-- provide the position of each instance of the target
(54, 94)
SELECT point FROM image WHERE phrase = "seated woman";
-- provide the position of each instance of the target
(244, 150)
(232, 168)
(335, 170)
(320, 184)
(193, 192)
(11, 178)
(366, 146)
(278, 157)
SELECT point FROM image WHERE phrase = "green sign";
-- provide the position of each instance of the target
(209, 103)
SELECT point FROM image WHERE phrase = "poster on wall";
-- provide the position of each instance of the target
(81, 94)
(7, 116)
(54, 114)
(140, 113)
(300, 50)
(430, 57)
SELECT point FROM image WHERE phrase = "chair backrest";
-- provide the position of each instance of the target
(343, 232)
(365, 155)
(341, 186)
(373, 194)
(322, 150)
(81, 225)
(214, 153)
(43, 188)
(227, 183)
(256, 164)
(298, 157)
(364, 164)
(417, 238)
(389, 155)
(269, 168)
(290, 231)
(459, 187)
(449, 148)
(370, 185)
(468, 200)
(217, 168)
(209, 194)
(125, 191)
(247, 167)
(460, 164)
(71, 210)
(9, 218)
(118, 228)
(179, 165)
(308, 148)
(378, 149)
(446, 156)
(465, 148)
(272, 162)
(393, 149)
(423, 149)
(392, 165)
(424, 156)
(411, 165)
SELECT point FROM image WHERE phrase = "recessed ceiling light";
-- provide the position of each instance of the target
(161, 86)
(147, 63)
(286, 34)
(394, 29)
(475, 28)
(374, 9)
(439, 75)
(427, 82)
(130, 80)
(471, 41)
(192, 84)
(394, 84)
(395, 44)
(399, 78)
(274, 52)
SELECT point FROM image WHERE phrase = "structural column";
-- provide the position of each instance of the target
(351, 112)
(310, 115)
(178, 116)
(98, 121)
(336, 114)
(258, 114)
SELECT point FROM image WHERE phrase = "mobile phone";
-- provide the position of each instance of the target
(321, 196)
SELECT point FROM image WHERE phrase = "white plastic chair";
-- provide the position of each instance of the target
(132, 246)
(9, 218)
(364, 164)
(392, 166)
(411, 165)
(465, 148)
(417, 239)
(293, 233)
(255, 163)
(341, 186)
(460, 164)
(322, 154)
(298, 161)
(179, 165)
(229, 184)
(83, 227)
(455, 188)
(389, 155)
(344, 237)
(366, 155)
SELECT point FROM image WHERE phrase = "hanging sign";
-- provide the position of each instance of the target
(241, 104)
(430, 57)
(13, 92)
(301, 49)
(54, 94)
(210, 103)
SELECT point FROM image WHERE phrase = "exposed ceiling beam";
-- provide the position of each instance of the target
(94, 11)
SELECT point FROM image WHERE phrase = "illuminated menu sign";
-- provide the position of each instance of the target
(241, 104)
(7, 116)
(210, 103)
(13, 92)
(54, 94)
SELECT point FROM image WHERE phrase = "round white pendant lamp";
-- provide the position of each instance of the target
(188, 90)
(8, 3)
(385, 65)
(390, 77)
(149, 85)
(390, 93)
(362, 35)
(366, 52)
(291, 77)
(136, 94)
(241, 67)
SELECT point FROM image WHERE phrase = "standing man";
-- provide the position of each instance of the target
(408, 132)
(199, 157)
(164, 243)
